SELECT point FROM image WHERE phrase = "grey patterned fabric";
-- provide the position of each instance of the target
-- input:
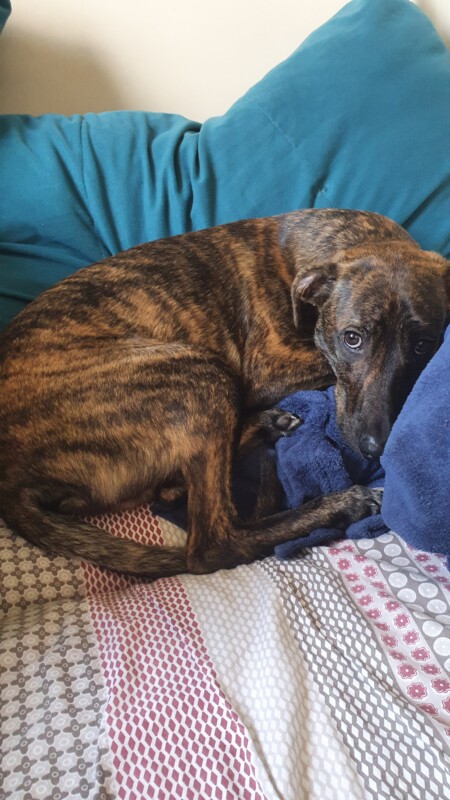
(322, 678)
(53, 739)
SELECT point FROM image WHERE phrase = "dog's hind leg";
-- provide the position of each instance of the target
(133, 416)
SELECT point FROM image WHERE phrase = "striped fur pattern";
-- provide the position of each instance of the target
(140, 374)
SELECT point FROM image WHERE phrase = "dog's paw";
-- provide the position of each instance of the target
(266, 428)
(377, 499)
(363, 502)
(276, 423)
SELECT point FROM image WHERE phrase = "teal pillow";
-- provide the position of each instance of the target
(357, 117)
(5, 10)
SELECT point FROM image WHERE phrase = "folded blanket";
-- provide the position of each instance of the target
(315, 460)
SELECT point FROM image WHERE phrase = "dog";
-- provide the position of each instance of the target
(143, 372)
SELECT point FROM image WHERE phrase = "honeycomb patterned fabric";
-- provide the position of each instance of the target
(327, 676)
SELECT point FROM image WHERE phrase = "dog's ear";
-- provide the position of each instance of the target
(310, 289)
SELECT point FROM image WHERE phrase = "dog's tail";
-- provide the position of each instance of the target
(65, 535)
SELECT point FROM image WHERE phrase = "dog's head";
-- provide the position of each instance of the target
(378, 311)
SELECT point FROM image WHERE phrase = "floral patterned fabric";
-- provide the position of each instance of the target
(326, 676)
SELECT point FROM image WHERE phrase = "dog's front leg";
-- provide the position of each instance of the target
(255, 540)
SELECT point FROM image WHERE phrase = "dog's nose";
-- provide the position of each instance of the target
(370, 447)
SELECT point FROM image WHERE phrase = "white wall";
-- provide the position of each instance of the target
(193, 57)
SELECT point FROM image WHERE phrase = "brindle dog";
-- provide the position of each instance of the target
(139, 372)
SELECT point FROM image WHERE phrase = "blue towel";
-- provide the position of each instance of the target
(315, 460)
(416, 501)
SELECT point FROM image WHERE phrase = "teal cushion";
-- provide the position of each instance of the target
(357, 117)
(5, 10)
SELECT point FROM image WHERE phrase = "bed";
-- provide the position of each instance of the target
(326, 675)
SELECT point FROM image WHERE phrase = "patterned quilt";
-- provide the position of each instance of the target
(323, 677)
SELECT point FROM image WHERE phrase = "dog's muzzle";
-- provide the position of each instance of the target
(370, 447)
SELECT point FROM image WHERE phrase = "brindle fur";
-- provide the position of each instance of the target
(136, 374)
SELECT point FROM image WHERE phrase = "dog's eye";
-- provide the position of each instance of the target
(423, 347)
(352, 340)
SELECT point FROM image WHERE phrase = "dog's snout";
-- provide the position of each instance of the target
(370, 447)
